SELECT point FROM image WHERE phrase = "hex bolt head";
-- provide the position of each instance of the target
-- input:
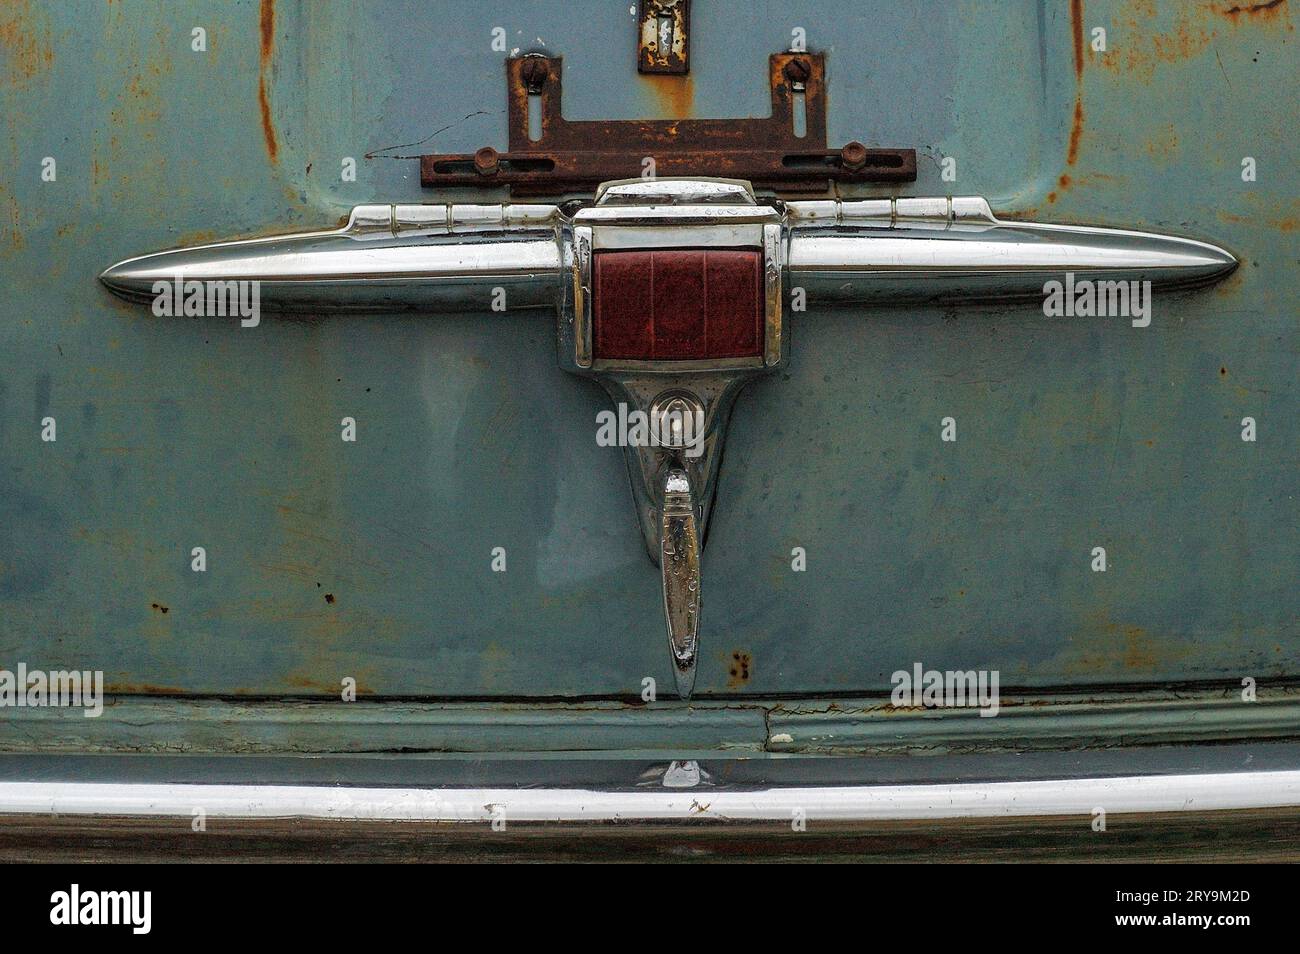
(853, 156)
(486, 161)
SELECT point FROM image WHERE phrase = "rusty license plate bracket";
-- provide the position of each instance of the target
(576, 156)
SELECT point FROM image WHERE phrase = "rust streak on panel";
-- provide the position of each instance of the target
(1076, 26)
(1258, 11)
(1076, 125)
(25, 45)
(1076, 131)
(674, 95)
(267, 24)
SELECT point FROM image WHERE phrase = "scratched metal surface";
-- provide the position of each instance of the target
(1072, 433)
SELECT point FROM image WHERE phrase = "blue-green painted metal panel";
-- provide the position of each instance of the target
(1073, 433)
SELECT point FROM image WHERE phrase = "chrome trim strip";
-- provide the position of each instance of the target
(387, 256)
(676, 215)
(839, 251)
(923, 249)
(582, 282)
(656, 235)
(688, 190)
(773, 296)
(1046, 798)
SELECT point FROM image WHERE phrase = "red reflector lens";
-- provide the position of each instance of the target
(677, 304)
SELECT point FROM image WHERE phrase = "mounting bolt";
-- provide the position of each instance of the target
(797, 71)
(486, 161)
(853, 156)
(535, 72)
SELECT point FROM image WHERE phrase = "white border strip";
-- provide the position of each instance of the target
(1129, 794)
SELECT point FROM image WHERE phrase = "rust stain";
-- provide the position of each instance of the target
(1268, 10)
(159, 607)
(1138, 652)
(1163, 142)
(1065, 180)
(25, 46)
(329, 689)
(1111, 648)
(673, 95)
(13, 227)
(197, 237)
(142, 689)
(329, 597)
(26, 52)
(138, 99)
(738, 669)
(1183, 44)
(1076, 122)
(267, 22)
(1076, 130)
(1076, 28)
(1282, 223)
(1189, 37)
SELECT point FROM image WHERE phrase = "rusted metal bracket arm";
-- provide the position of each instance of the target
(783, 152)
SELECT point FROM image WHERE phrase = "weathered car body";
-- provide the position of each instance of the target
(427, 623)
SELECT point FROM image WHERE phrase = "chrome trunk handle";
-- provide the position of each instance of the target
(679, 566)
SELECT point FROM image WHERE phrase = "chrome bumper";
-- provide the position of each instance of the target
(1124, 795)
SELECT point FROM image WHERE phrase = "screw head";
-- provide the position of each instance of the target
(535, 72)
(797, 71)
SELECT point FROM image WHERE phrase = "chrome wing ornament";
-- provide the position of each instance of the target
(672, 294)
